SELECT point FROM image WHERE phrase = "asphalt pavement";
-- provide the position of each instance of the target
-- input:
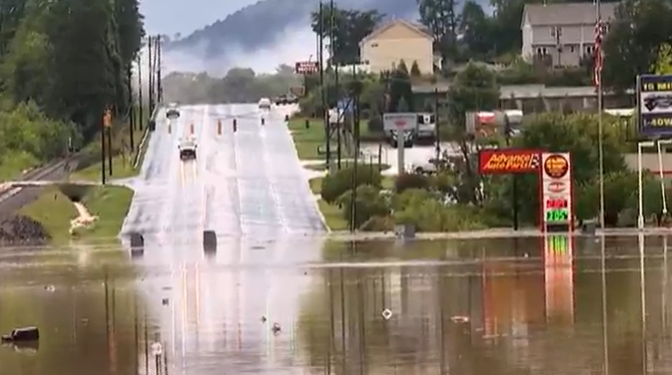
(245, 184)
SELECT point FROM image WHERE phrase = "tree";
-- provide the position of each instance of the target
(402, 67)
(474, 89)
(400, 88)
(577, 134)
(348, 27)
(441, 19)
(638, 34)
(415, 69)
(477, 30)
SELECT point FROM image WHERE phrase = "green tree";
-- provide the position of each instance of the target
(638, 34)
(477, 30)
(415, 69)
(440, 17)
(400, 88)
(347, 27)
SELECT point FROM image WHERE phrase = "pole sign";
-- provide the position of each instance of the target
(654, 105)
(307, 67)
(556, 184)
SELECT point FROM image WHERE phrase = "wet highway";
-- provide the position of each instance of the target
(469, 307)
(246, 183)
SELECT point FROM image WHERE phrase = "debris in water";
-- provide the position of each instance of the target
(22, 335)
(276, 328)
(50, 288)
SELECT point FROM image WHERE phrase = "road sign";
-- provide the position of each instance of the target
(107, 118)
(654, 105)
(345, 105)
(400, 121)
(306, 67)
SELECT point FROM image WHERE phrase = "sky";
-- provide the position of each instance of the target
(169, 17)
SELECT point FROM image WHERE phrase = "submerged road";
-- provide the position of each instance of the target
(248, 187)
(247, 183)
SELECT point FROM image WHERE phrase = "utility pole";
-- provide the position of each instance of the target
(325, 111)
(159, 85)
(151, 73)
(107, 123)
(437, 131)
(140, 103)
(335, 64)
(355, 108)
(131, 110)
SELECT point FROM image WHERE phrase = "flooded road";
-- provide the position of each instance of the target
(462, 307)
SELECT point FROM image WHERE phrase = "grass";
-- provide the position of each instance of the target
(323, 166)
(333, 216)
(308, 140)
(387, 183)
(55, 211)
(122, 162)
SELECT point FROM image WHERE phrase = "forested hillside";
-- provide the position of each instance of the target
(61, 63)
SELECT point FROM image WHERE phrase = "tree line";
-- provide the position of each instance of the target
(240, 85)
(62, 62)
(634, 42)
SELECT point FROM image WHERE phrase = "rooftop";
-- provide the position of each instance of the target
(567, 13)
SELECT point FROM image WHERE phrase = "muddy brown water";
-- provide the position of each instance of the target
(463, 307)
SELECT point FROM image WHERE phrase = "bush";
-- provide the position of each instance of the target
(407, 181)
(336, 184)
(368, 203)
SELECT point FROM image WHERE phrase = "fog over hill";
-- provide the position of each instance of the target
(259, 35)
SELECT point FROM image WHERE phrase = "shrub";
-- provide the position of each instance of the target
(407, 181)
(368, 203)
(336, 184)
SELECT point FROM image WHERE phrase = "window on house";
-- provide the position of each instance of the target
(538, 51)
(374, 45)
(544, 51)
(571, 49)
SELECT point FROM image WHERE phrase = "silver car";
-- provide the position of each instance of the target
(187, 149)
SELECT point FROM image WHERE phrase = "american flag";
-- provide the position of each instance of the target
(599, 54)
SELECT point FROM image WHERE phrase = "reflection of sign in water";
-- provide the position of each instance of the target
(559, 277)
(654, 104)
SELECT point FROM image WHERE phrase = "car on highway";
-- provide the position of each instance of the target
(187, 149)
(173, 111)
(265, 103)
(286, 99)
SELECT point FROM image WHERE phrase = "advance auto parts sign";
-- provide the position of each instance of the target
(508, 161)
(556, 182)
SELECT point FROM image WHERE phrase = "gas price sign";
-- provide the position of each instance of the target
(556, 184)
(557, 210)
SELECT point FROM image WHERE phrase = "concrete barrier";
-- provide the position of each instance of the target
(209, 241)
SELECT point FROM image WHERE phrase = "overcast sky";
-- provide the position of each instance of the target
(169, 17)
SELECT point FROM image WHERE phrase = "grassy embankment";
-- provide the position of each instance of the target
(109, 203)
(308, 142)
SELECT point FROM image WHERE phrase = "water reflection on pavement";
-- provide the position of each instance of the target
(472, 307)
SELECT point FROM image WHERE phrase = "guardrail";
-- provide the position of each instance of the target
(145, 138)
(16, 197)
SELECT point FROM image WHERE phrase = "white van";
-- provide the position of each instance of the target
(265, 103)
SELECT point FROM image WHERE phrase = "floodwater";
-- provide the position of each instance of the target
(490, 307)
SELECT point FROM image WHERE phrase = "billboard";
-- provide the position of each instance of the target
(556, 182)
(306, 67)
(654, 105)
(508, 161)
